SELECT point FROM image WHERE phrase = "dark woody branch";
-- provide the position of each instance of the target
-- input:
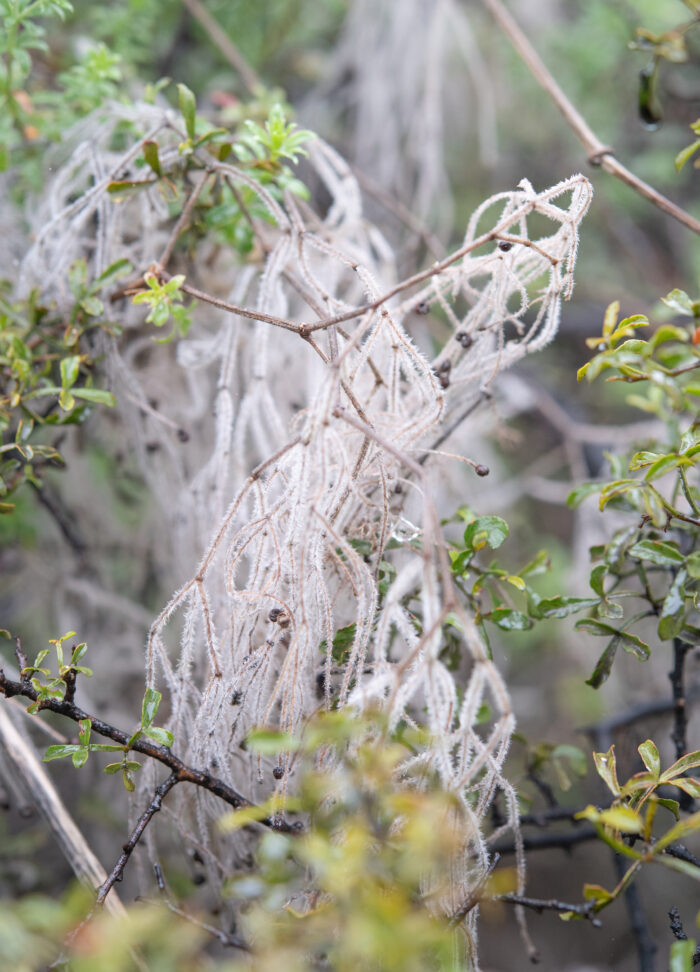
(180, 771)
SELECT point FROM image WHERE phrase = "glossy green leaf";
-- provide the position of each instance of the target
(149, 707)
(606, 767)
(673, 608)
(650, 757)
(509, 620)
(663, 553)
(161, 736)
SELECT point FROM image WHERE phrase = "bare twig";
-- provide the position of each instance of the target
(221, 39)
(598, 152)
(183, 220)
(232, 941)
(585, 910)
(117, 872)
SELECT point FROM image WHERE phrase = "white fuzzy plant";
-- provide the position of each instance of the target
(315, 414)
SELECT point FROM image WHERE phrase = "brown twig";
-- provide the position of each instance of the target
(221, 39)
(598, 152)
(117, 872)
(585, 910)
(182, 773)
(232, 941)
(183, 220)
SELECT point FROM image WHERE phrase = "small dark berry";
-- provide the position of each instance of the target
(482, 470)
(504, 245)
(446, 365)
(183, 435)
(466, 340)
(444, 380)
(423, 307)
(274, 614)
(278, 772)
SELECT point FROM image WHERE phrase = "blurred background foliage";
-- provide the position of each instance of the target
(632, 67)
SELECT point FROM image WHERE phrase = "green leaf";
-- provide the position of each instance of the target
(693, 565)
(679, 831)
(673, 609)
(509, 620)
(650, 757)
(624, 819)
(681, 766)
(112, 768)
(679, 301)
(92, 306)
(149, 707)
(97, 395)
(604, 665)
(663, 553)
(578, 495)
(150, 154)
(682, 952)
(689, 785)
(80, 757)
(161, 736)
(60, 752)
(606, 767)
(115, 270)
(672, 805)
(610, 319)
(188, 107)
(491, 530)
(69, 370)
(561, 607)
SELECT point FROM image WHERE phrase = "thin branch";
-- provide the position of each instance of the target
(585, 910)
(183, 220)
(221, 39)
(117, 872)
(182, 772)
(598, 152)
(232, 941)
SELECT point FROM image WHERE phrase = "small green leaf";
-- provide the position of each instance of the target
(604, 665)
(491, 530)
(650, 757)
(150, 154)
(69, 370)
(682, 952)
(562, 607)
(681, 766)
(509, 620)
(80, 757)
(97, 395)
(578, 495)
(161, 736)
(663, 553)
(606, 766)
(673, 609)
(60, 752)
(188, 107)
(149, 707)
